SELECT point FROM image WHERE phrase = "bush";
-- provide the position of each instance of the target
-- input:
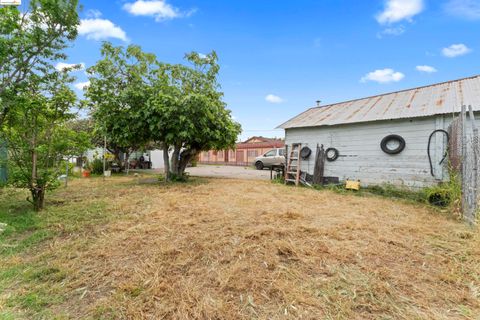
(447, 194)
(97, 166)
(174, 177)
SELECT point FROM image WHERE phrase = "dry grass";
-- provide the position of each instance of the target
(228, 249)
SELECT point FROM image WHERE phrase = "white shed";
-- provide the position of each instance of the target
(356, 129)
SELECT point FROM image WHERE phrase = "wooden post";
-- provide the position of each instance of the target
(66, 173)
(104, 155)
(319, 168)
(474, 186)
(465, 190)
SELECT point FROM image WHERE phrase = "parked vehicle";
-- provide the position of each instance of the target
(272, 158)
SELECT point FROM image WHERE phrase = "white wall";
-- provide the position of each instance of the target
(156, 157)
(362, 158)
(91, 154)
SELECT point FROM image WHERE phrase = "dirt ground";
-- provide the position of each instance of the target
(237, 249)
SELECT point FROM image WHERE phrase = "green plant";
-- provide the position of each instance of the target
(97, 166)
(447, 194)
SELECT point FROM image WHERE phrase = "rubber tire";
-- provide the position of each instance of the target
(305, 153)
(259, 165)
(335, 156)
(391, 137)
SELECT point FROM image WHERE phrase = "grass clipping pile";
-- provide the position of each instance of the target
(242, 250)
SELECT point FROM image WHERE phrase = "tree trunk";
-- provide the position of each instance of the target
(38, 198)
(175, 160)
(127, 162)
(166, 163)
(185, 158)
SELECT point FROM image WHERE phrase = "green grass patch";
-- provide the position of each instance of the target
(446, 195)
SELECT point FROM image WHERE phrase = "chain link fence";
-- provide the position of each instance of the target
(464, 155)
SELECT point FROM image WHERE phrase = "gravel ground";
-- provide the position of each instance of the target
(229, 172)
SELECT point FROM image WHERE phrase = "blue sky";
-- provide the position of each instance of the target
(278, 57)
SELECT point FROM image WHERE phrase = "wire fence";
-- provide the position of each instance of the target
(464, 151)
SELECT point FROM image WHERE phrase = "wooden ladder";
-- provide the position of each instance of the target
(292, 174)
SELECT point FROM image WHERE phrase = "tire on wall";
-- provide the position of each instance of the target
(305, 153)
(392, 137)
(334, 156)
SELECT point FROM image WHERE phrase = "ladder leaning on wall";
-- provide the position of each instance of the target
(292, 174)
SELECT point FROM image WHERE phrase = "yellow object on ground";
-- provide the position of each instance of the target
(352, 185)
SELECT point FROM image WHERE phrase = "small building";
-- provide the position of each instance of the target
(384, 139)
(244, 153)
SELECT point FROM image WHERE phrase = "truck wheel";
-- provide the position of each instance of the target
(259, 165)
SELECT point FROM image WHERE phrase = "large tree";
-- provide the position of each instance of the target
(136, 100)
(38, 136)
(30, 42)
(117, 96)
(186, 112)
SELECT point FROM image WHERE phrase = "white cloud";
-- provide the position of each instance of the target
(159, 9)
(456, 50)
(81, 85)
(60, 66)
(427, 69)
(383, 76)
(100, 29)
(398, 10)
(468, 9)
(273, 98)
(93, 13)
(394, 31)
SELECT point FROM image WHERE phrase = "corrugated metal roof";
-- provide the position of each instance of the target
(440, 98)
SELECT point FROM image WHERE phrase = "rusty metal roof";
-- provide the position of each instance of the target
(440, 98)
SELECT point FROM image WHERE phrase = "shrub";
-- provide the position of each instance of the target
(446, 194)
(97, 166)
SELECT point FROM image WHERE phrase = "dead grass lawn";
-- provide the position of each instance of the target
(232, 249)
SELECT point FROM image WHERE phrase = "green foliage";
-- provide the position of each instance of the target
(97, 166)
(38, 138)
(118, 94)
(447, 194)
(391, 191)
(136, 101)
(179, 177)
(30, 43)
(385, 190)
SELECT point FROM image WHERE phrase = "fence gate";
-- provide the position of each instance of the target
(464, 152)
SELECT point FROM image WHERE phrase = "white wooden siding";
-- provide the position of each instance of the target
(361, 157)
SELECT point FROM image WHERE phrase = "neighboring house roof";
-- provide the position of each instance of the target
(260, 142)
(440, 98)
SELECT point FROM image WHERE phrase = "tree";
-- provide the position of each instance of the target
(38, 137)
(136, 101)
(30, 42)
(187, 114)
(117, 96)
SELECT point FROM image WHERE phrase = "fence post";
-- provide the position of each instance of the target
(465, 206)
(474, 186)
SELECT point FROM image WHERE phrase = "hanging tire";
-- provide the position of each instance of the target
(305, 153)
(332, 157)
(259, 165)
(389, 138)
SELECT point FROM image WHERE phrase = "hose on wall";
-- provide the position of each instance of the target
(428, 149)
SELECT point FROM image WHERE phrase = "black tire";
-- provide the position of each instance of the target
(335, 154)
(392, 137)
(259, 165)
(305, 153)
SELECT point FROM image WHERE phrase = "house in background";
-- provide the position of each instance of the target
(244, 153)
(385, 138)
